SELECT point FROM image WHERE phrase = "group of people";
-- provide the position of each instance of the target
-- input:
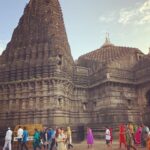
(22, 137)
(48, 139)
(132, 136)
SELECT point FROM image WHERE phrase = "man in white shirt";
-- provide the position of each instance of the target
(8, 139)
(19, 136)
(107, 136)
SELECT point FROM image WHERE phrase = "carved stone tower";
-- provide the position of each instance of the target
(39, 35)
(36, 68)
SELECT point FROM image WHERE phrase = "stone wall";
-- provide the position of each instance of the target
(144, 101)
(113, 103)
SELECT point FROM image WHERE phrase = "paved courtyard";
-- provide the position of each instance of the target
(98, 145)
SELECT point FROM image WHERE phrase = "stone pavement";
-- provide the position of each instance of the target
(98, 145)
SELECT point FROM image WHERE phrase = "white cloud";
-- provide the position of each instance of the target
(107, 18)
(145, 7)
(145, 19)
(126, 16)
(138, 15)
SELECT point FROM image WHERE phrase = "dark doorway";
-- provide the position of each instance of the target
(81, 133)
(148, 98)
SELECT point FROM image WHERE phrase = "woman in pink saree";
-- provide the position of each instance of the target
(138, 135)
(89, 137)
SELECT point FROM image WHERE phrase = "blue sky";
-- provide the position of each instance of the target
(87, 21)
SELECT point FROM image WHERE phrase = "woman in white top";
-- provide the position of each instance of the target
(69, 137)
(60, 139)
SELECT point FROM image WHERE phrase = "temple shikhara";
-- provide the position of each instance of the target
(41, 83)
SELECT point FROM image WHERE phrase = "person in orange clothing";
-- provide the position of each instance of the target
(122, 139)
(148, 141)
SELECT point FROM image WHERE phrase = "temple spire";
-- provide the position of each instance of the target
(40, 32)
(107, 38)
(107, 41)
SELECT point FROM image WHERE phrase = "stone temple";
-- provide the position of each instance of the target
(41, 83)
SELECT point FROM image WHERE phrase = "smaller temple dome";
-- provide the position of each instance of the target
(107, 53)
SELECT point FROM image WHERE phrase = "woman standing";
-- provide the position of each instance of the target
(69, 138)
(122, 139)
(129, 139)
(89, 138)
(138, 135)
(60, 139)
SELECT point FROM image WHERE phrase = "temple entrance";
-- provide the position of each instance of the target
(148, 98)
(81, 133)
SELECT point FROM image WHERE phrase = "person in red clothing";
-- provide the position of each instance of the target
(111, 136)
(122, 139)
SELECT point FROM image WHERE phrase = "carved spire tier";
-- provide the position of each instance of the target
(39, 35)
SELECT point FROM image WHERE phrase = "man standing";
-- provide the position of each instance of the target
(19, 136)
(8, 139)
(24, 139)
(107, 136)
(49, 137)
(36, 140)
(53, 133)
(44, 137)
